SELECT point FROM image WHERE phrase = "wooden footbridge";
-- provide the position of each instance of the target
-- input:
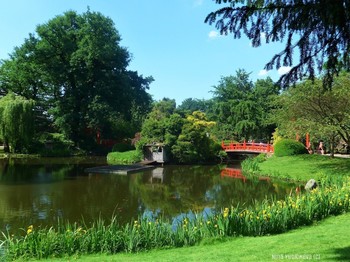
(253, 148)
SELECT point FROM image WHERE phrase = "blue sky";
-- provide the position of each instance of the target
(168, 40)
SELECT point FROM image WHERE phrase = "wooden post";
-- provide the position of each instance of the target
(307, 140)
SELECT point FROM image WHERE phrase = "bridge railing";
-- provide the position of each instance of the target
(247, 147)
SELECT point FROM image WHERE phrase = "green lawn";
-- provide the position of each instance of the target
(327, 240)
(305, 167)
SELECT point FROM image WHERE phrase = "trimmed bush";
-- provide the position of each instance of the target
(289, 147)
(124, 158)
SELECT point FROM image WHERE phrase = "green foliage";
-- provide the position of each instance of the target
(75, 70)
(122, 147)
(322, 41)
(194, 143)
(188, 139)
(53, 144)
(126, 157)
(189, 105)
(241, 107)
(16, 122)
(161, 122)
(308, 107)
(289, 147)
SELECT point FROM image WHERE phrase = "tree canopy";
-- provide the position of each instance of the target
(319, 29)
(16, 122)
(325, 114)
(240, 107)
(187, 136)
(75, 69)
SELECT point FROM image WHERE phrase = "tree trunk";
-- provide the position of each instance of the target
(332, 145)
(6, 147)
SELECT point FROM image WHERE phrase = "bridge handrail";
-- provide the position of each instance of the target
(253, 147)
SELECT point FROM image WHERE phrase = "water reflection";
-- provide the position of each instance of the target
(42, 191)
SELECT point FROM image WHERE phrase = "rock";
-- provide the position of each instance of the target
(311, 184)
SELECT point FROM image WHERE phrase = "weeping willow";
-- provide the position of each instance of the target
(16, 122)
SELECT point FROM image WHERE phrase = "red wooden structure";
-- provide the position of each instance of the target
(233, 172)
(247, 147)
(237, 173)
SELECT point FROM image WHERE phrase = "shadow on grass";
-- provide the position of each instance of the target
(336, 168)
(341, 254)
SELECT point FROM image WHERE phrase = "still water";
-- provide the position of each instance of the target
(42, 191)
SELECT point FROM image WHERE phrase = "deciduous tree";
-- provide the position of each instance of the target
(16, 122)
(75, 68)
(323, 113)
(194, 144)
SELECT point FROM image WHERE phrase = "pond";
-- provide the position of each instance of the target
(42, 191)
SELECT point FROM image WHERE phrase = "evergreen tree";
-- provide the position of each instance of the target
(320, 29)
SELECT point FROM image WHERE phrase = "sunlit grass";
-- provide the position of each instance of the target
(127, 157)
(305, 167)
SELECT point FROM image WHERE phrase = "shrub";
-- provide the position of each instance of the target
(122, 147)
(54, 144)
(289, 147)
(128, 157)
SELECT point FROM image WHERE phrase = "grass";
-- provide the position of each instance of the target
(326, 240)
(305, 167)
(127, 157)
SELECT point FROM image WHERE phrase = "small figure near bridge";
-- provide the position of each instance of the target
(321, 147)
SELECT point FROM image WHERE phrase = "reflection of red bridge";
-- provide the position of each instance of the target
(247, 147)
(233, 172)
(237, 173)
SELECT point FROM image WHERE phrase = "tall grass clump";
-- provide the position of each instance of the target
(289, 147)
(250, 166)
(264, 218)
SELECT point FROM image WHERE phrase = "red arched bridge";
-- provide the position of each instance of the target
(255, 148)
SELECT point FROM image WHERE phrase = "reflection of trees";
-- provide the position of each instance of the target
(42, 194)
(194, 188)
(183, 189)
(17, 172)
(238, 191)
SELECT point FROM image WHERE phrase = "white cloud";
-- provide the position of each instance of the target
(283, 70)
(213, 34)
(263, 72)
